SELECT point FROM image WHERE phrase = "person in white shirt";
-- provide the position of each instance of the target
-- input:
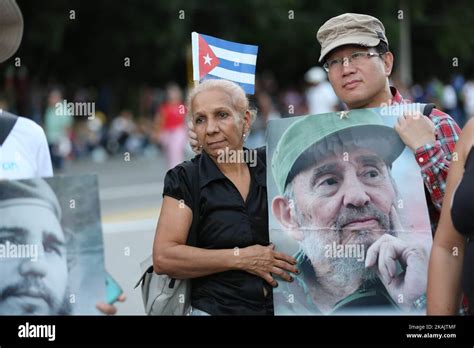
(24, 153)
(320, 97)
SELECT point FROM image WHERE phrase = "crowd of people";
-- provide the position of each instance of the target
(160, 121)
(157, 118)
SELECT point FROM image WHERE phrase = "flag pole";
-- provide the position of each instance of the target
(195, 51)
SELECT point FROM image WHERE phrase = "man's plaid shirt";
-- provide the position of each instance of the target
(434, 159)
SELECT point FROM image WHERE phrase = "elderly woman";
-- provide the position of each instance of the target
(451, 268)
(232, 264)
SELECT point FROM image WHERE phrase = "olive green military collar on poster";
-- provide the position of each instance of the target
(295, 298)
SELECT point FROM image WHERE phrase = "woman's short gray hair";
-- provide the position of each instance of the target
(236, 93)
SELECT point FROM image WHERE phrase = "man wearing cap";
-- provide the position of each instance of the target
(24, 151)
(32, 286)
(320, 96)
(355, 54)
(336, 189)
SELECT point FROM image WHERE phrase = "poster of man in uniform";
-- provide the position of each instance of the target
(51, 247)
(347, 200)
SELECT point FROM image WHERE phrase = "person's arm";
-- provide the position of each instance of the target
(173, 257)
(447, 253)
(432, 140)
(434, 158)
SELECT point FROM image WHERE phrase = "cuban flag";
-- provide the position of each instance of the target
(220, 59)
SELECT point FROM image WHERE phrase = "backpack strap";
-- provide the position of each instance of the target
(7, 122)
(428, 108)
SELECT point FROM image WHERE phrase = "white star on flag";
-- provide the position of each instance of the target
(207, 59)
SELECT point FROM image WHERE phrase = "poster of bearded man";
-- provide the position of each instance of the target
(347, 201)
(51, 246)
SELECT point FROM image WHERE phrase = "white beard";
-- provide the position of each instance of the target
(340, 271)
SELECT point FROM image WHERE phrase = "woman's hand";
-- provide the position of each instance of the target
(264, 260)
(109, 309)
(193, 139)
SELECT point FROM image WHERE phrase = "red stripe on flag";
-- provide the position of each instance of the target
(207, 58)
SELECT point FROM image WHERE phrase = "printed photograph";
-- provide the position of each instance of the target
(51, 248)
(347, 201)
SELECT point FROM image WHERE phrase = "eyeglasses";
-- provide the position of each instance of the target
(355, 58)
